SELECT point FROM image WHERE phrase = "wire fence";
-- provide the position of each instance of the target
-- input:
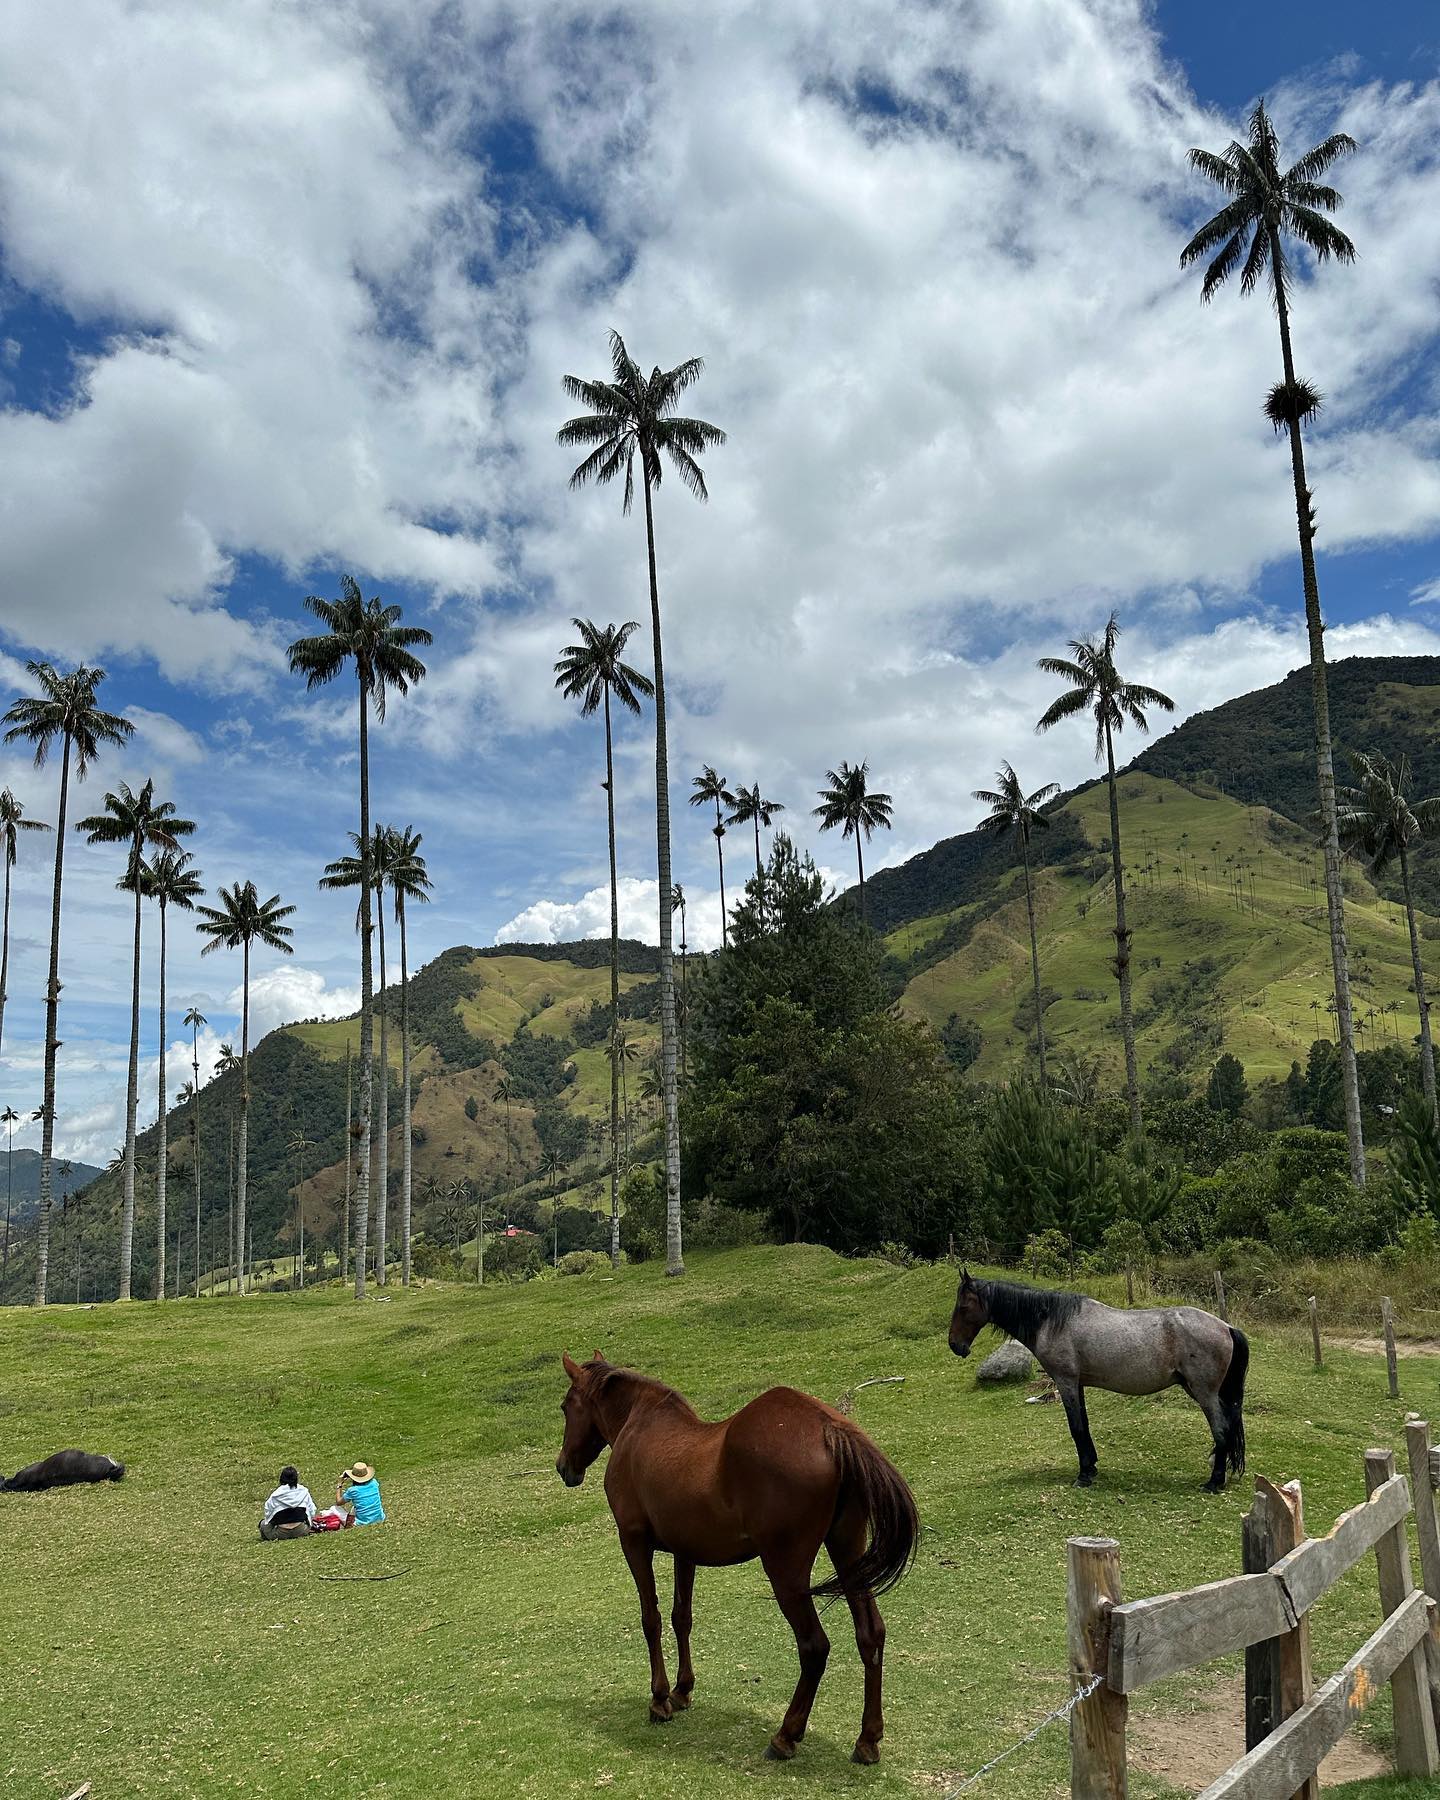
(1063, 1711)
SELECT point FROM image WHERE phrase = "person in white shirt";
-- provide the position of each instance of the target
(290, 1510)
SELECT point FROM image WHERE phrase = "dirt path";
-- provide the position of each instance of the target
(1374, 1346)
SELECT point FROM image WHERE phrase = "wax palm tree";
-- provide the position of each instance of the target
(710, 789)
(193, 1021)
(746, 808)
(370, 636)
(298, 1146)
(1263, 208)
(241, 921)
(848, 803)
(629, 416)
(138, 822)
(12, 823)
(64, 711)
(1013, 810)
(1375, 819)
(504, 1094)
(408, 880)
(590, 672)
(189, 1095)
(1096, 686)
(169, 879)
(9, 1119)
(677, 904)
(349, 1167)
(228, 1063)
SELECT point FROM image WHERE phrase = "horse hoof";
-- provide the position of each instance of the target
(866, 1753)
(660, 1715)
(1086, 1478)
(679, 1702)
(777, 1750)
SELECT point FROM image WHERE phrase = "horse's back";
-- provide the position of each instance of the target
(1140, 1350)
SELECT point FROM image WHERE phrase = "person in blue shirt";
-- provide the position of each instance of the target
(359, 1490)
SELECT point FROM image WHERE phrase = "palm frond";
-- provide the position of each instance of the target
(1315, 162)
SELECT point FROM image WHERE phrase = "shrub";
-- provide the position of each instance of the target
(582, 1262)
(1046, 1256)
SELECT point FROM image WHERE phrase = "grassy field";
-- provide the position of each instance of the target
(153, 1646)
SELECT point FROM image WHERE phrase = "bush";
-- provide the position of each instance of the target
(1046, 1256)
(582, 1262)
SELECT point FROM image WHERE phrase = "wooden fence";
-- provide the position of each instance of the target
(1290, 1725)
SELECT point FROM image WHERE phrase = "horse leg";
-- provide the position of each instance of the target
(680, 1619)
(846, 1544)
(640, 1555)
(790, 1578)
(1073, 1397)
(1214, 1410)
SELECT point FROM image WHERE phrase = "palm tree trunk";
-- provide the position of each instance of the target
(195, 1125)
(52, 1039)
(382, 1131)
(614, 996)
(231, 1239)
(9, 1195)
(860, 865)
(5, 948)
(1324, 764)
(367, 982)
(405, 1169)
(1034, 959)
(349, 1167)
(674, 1257)
(1427, 1052)
(244, 1134)
(1122, 947)
(720, 853)
(163, 1133)
(132, 1105)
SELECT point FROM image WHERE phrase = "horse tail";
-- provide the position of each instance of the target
(1232, 1398)
(871, 1481)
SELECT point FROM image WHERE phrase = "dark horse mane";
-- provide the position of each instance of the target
(1020, 1311)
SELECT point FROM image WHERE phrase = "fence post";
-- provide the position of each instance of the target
(1221, 1307)
(1315, 1334)
(1415, 1750)
(1097, 1725)
(1281, 1515)
(1427, 1530)
(1262, 1660)
(1387, 1319)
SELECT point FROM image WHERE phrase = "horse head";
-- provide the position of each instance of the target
(970, 1317)
(583, 1440)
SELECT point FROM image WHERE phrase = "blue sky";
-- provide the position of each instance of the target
(288, 294)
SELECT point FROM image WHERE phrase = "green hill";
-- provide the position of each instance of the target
(21, 1180)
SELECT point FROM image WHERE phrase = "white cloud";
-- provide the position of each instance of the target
(285, 994)
(1425, 593)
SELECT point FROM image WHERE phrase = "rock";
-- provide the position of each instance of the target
(1011, 1362)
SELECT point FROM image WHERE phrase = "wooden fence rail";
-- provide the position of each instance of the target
(1289, 1728)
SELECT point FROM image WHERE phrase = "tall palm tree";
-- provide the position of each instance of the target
(747, 807)
(65, 710)
(193, 1020)
(9, 1119)
(677, 904)
(1096, 686)
(370, 636)
(1263, 208)
(228, 1063)
(298, 1145)
(1012, 809)
(590, 672)
(1376, 820)
(848, 802)
(139, 822)
(12, 823)
(241, 921)
(710, 789)
(349, 1167)
(634, 415)
(504, 1094)
(408, 880)
(189, 1095)
(169, 880)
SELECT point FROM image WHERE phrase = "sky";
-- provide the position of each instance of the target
(288, 292)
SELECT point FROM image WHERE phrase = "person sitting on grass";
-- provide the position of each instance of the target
(359, 1492)
(290, 1510)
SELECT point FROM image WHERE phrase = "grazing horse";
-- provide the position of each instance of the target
(775, 1480)
(1081, 1343)
(63, 1469)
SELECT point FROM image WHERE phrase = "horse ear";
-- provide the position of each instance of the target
(965, 1280)
(572, 1369)
(597, 1357)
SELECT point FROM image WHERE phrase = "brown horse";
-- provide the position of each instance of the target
(776, 1480)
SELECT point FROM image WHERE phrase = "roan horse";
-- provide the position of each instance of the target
(1081, 1343)
(775, 1480)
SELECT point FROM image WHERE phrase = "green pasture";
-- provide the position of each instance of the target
(154, 1646)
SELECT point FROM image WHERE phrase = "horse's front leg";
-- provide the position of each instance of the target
(790, 1578)
(680, 1619)
(640, 1554)
(1072, 1394)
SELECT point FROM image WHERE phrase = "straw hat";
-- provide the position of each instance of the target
(360, 1472)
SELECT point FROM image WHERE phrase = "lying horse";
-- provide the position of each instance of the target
(63, 1469)
(1081, 1343)
(775, 1480)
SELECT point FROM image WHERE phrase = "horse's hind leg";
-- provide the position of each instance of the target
(1213, 1408)
(680, 1619)
(640, 1555)
(790, 1578)
(846, 1544)
(1073, 1397)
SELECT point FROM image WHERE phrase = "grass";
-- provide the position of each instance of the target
(1179, 847)
(168, 1651)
